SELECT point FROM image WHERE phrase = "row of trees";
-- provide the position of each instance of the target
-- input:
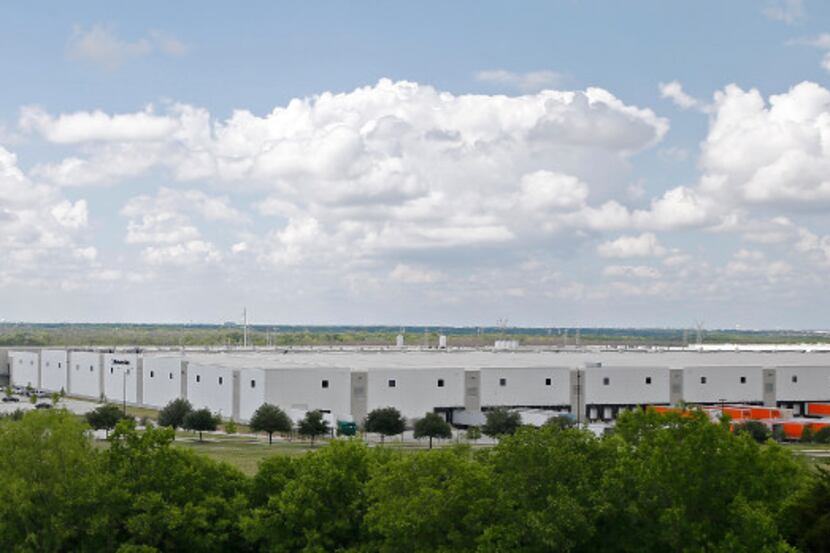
(268, 418)
(658, 483)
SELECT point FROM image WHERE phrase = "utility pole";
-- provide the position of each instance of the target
(244, 328)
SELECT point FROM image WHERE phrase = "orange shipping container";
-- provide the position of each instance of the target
(764, 413)
(818, 409)
(793, 430)
(737, 413)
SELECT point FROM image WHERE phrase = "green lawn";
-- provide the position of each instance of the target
(243, 452)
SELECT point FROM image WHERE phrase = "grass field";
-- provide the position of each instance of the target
(245, 452)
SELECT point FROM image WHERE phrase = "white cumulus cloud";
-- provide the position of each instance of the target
(530, 81)
(644, 245)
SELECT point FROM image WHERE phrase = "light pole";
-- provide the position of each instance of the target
(124, 389)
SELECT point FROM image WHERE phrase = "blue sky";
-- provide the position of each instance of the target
(554, 163)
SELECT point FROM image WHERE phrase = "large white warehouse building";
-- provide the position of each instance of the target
(593, 385)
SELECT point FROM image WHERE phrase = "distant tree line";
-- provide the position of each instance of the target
(657, 483)
(109, 335)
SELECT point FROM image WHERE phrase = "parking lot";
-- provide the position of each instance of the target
(23, 403)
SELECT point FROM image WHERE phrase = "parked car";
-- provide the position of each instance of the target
(12, 399)
(43, 406)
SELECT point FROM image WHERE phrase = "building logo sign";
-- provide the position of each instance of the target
(120, 362)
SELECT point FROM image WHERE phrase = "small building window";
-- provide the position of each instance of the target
(221, 380)
(743, 380)
(59, 364)
(703, 380)
(90, 368)
(47, 363)
(253, 383)
(606, 381)
(795, 379)
(32, 362)
(440, 382)
(77, 367)
(502, 382)
(112, 370)
(392, 383)
(198, 378)
(152, 374)
(325, 383)
(170, 376)
(648, 380)
(548, 382)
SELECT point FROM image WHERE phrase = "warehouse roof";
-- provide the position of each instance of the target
(374, 360)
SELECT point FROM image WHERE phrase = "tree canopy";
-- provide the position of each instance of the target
(269, 419)
(432, 426)
(313, 425)
(104, 417)
(201, 420)
(174, 413)
(386, 421)
(659, 482)
(501, 422)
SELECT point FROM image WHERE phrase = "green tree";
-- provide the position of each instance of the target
(173, 499)
(200, 420)
(561, 421)
(674, 477)
(50, 484)
(313, 425)
(230, 427)
(55, 397)
(8, 391)
(431, 501)
(270, 418)
(104, 417)
(547, 481)
(822, 435)
(33, 399)
(807, 434)
(313, 503)
(432, 426)
(758, 430)
(473, 433)
(173, 414)
(386, 421)
(501, 422)
(806, 516)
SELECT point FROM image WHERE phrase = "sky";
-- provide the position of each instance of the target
(558, 163)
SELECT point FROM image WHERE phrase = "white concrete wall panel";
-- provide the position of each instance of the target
(416, 391)
(525, 386)
(626, 385)
(53, 370)
(162, 379)
(802, 383)
(711, 384)
(120, 371)
(24, 368)
(252, 392)
(212, 387)
(85, 369)
(308, 389)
